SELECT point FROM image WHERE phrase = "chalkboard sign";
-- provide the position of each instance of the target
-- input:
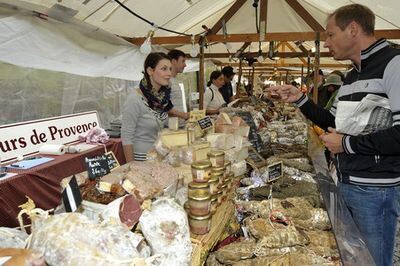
(112, 161)
(205, 123)
(97, 166)
(275, 171)
(254, 138)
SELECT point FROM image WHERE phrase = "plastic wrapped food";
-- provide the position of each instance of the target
(21, 257)
(167, 231)
(12, 238)
(72, 239)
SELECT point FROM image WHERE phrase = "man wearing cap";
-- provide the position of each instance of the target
(227, 92)
(332, 85)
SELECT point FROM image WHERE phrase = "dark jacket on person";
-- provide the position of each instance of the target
(372, 159)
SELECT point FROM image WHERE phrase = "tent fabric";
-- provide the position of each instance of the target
(47, 44)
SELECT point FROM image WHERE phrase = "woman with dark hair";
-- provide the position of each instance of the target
(147, 108)
(213, 99)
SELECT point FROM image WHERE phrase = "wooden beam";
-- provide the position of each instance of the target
(303, 13)
(254, 37)
(291, 48)
(254, 54)
(227, 16)
(345, 66)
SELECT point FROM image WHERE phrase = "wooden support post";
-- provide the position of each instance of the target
(202, 76)
(316, 69)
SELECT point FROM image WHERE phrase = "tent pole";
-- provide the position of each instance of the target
(316, 68)
(301, 79)
(239, 75)
(201, 76)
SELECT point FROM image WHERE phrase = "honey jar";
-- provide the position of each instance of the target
(199, 225)
(199, 203)
(201, 171)
(217, 158)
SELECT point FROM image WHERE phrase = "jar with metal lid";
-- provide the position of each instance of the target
(214, 203)
(201, 171)
(217, 175)
(228, 167)
(214, 183)
(194, 186)
(199, 225)
(217, 158)
(199, 202)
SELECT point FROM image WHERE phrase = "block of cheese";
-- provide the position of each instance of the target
(238, 141)
(173, 138)
(200, 150)
(216, 140)
(242, 131)
(229, 141)
(239, 168)
(242, 153)
(201, 154)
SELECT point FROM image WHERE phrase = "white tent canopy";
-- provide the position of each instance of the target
(179, 15)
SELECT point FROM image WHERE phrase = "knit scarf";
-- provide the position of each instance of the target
(160, 101)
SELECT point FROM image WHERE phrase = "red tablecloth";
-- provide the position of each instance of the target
(42, 183)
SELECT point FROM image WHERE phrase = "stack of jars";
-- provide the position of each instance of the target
(199, 195)
(211, 183)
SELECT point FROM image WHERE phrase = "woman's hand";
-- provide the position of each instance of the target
(288, 93)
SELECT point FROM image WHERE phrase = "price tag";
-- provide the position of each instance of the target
(205, 123)
(275, 171)
(112, 161)
(97, 166)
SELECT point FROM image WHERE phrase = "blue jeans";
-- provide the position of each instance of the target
(375, 211)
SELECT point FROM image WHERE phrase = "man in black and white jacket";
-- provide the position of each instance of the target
(368, 164)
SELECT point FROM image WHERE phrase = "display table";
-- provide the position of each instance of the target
(42, 183)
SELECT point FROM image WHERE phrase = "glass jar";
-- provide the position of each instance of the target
(194, 186)
(201, 171)
(199, 202)
(214, 183)
(200, 225)
(219, 175)
(217, 158)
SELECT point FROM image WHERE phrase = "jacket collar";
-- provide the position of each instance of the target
(369, 53)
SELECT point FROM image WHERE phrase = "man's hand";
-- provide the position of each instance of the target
(287, 93)
(332, 141)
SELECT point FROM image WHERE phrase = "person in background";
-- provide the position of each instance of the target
(332, 84)
(322, 92)
(213, 99)
(226, 90)
(178, 62)
(146, 108)
(339, 73)
(367, 164)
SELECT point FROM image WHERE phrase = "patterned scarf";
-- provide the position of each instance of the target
(160, 101)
